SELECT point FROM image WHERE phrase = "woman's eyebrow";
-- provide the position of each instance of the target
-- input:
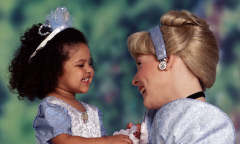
(138, 58)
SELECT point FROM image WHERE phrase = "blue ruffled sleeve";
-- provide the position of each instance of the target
(103, 130)
(51, 121)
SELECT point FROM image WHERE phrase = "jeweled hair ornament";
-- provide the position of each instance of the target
(159, 45)
(57, 21)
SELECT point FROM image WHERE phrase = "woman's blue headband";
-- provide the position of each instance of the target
(159, 45)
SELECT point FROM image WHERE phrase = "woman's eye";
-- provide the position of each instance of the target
(138, 63)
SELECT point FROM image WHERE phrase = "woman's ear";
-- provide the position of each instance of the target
(170, 61)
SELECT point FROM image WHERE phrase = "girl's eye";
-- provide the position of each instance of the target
(81, 65)
(91, 63)
(138, 63)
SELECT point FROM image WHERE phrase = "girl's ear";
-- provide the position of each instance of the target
(170, 61)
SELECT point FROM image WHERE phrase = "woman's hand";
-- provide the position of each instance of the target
(138, 131)
(141, 132)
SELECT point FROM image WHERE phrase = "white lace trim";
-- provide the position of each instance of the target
(79, 128)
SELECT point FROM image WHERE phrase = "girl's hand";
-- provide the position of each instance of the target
(68, 139)
(118, 139)
(129, 132)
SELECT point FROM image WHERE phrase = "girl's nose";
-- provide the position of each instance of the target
(89, 69)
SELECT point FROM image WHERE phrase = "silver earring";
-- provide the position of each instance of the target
(163, 64)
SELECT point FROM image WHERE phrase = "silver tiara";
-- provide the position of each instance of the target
(57, 20)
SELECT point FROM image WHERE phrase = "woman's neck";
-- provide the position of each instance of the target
(188, 88)
(183, 82)
(187, 85)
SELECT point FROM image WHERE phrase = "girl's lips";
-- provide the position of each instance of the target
(86, 80)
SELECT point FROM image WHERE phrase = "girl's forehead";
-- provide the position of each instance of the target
(79, 48)
(79, 52)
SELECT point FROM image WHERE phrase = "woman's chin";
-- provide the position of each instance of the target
(151, 106)
(146, 104)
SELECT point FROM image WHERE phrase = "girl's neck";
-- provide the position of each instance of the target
(68, 98)
(62, 94)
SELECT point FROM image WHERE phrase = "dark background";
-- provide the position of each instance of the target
(107, 24)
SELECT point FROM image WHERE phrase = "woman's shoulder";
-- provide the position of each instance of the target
(188, 118)
(192, 106)
(193, 110)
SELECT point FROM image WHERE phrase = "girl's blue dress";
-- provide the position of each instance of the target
(56, 117)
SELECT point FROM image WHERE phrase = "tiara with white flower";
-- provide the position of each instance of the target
(57, 21)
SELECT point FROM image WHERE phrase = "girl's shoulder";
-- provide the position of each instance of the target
(51, 120)
(51, 105)
(52, 99)
(56, 102)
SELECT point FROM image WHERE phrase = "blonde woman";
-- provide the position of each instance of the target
(176, 63)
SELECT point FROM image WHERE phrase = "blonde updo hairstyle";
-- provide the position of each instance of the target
(186, 36)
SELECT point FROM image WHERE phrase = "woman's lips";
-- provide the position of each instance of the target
(142, 90)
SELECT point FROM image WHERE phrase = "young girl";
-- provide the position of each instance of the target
(54, 63)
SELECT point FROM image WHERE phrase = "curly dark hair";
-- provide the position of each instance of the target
(38, 77)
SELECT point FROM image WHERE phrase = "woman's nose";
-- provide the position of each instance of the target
(135, 81)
